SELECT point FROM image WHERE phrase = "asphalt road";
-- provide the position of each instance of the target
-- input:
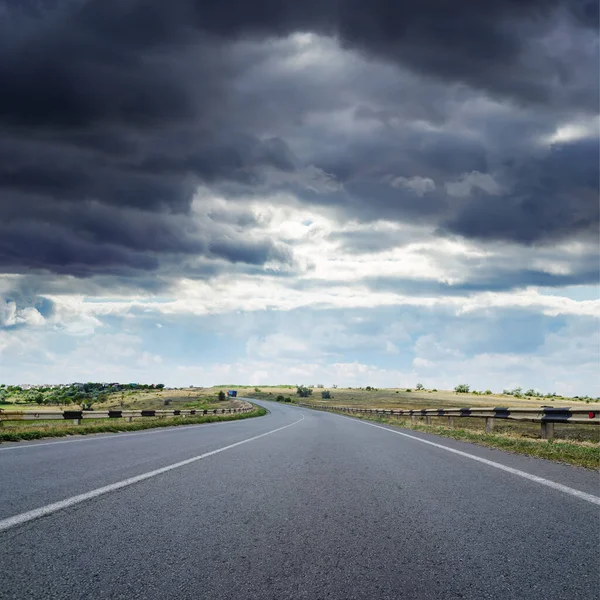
(298, 504)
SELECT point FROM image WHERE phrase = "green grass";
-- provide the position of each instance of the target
(581, 454)
(111, 427)
(37, 423)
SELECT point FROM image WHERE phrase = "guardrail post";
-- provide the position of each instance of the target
(451, 422)
(76, 421)
(413, 418)
(427, 420)
(489, 424)
(547, 430)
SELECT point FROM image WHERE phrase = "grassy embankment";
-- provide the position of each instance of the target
(53, 429)
(573, 444)
(200, 399)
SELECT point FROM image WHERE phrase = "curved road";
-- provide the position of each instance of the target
(298, 504)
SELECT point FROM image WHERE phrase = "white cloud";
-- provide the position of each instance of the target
(391, 348)
(262, 293)
(12, 344)
(278, 346)
(574, 131)
(11, 316)
(566, 363)
(74, 315)
(146, 359)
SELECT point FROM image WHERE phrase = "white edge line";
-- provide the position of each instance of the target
(551, 484)
(43, 511)
(94, 437)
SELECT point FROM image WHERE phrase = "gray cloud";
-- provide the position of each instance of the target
(501, 281)
(551, 198)
(113, 112)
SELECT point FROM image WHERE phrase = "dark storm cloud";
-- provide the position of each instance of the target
(129, 43)
(552, 199)
(95, 241)
(112, 112)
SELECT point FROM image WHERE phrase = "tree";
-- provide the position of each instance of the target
(303, 391)
(420, 386)
(462, 388)
(34, 396)
(222, 396)
(326, 395)
(54, 398)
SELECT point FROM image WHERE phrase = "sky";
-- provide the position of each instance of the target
(330, 192)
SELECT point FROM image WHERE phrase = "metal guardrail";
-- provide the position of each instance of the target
(78, 415)
(546, 416)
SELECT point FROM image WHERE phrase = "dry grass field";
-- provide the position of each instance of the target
(170, 399)
(401, 399)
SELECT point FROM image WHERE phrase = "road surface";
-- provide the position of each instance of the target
(298, 504)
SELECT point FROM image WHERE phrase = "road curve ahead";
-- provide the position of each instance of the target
(298, 504)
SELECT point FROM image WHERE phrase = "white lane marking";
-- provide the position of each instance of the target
(94, 437)
(25, 517)
(552, 484)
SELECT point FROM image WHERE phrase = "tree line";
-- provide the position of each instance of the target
(82, 394)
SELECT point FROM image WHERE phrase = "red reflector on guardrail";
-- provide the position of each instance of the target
(591, 414)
